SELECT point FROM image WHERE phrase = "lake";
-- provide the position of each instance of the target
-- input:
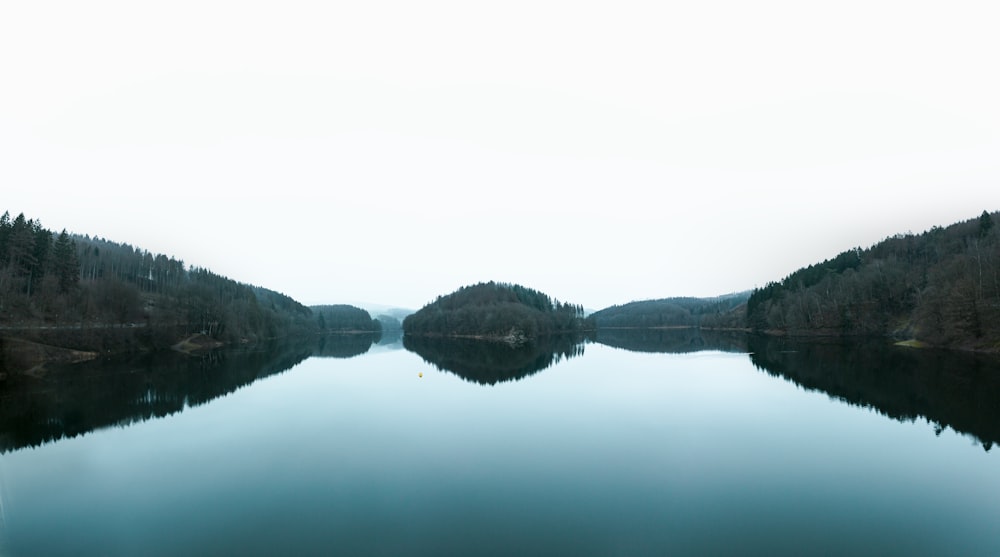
(633, 443)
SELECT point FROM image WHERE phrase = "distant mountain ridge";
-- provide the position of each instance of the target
(718, 312)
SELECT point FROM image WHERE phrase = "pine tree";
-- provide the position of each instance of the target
(64, 262)
(985, 224)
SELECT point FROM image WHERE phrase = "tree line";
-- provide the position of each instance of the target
(59, 280)
(941, 287)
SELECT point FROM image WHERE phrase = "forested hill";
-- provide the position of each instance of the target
(720, 312)
(941, 287)
(495, 311)
(50, 282)
(344, 318)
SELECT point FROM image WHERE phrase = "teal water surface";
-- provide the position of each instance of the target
(601, 451)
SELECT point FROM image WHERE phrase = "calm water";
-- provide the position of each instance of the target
(649, 444)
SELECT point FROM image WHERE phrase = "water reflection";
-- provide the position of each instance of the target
(953, 390)
(72, 400)
(672, 341)
(489, 363)
(390, 336)
(950, 389)
(344, 345)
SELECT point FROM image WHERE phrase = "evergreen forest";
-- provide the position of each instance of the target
(496, 311)
(94, 294)
(941, 288)
(343, 318)
(723, 312)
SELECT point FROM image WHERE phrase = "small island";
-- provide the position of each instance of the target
(508, 313)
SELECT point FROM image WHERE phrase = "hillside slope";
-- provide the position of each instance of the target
(720, 312)
(88, 293)
(941, 287)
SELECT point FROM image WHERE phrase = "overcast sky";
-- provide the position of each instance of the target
(601, 152)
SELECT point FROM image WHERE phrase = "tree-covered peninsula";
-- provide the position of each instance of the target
(496, 311)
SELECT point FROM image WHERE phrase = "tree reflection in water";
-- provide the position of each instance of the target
(67, 401)
(952, 389)
(344, 345)
(960, 390)
(489, 363)
(949, 389)
(678, 340)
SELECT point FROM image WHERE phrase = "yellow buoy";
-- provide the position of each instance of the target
(421, 374)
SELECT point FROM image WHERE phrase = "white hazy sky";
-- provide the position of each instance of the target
(601, 152)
